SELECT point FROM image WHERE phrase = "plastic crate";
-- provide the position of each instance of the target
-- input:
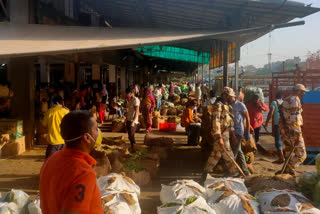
(167, 127)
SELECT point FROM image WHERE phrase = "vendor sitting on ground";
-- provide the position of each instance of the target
(189, 121)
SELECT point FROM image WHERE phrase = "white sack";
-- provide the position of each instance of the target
(34, 207)
(8, 208)
(180, 190)
(198, 206)
(297, 203)
(118, 203)
(20, 198)
(118, 182)
(212, 185)
(234, 203)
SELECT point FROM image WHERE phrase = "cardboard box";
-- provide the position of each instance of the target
(14, 148)
(12, 127)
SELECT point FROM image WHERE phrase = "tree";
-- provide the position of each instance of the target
(313, 61)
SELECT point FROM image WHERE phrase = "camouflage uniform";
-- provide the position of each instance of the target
(221, 123)
(291, 133)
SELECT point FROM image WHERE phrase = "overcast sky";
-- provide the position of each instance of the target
(286, 42)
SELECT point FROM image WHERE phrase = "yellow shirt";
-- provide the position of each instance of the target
(52, 120)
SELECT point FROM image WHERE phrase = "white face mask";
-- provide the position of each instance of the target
(95, 141)
(92, 138)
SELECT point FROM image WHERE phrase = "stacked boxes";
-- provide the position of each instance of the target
(14, 128)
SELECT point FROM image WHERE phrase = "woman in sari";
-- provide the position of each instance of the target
(147, 107)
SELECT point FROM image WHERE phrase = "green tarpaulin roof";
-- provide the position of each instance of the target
(175, 53)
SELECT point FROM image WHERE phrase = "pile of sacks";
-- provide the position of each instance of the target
(229, 195)
(119, 194)
(165, 107)
(18, 202)
(118, 125)
(113, 156)
(160, 145)
(157, 119)
(105, 153)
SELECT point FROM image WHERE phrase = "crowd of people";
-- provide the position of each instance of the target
(231, 121)
(227, 121)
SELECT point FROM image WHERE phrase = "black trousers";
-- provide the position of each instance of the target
(193, 132)
(51, 149)
(131, 132)
(257, 134)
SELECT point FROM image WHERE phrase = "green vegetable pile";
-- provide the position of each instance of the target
(132, 165)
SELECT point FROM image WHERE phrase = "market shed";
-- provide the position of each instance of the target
(129, 24)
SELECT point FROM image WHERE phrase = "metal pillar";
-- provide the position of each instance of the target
(237, 69)
(209, 78)
(44, 70)
(202, 70)
(202, 74)
(22, 105)
(225, 63)
(22, 77)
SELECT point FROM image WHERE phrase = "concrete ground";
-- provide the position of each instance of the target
(183, 163)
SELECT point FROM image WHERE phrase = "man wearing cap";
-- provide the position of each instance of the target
(222, 125)
(290, 128)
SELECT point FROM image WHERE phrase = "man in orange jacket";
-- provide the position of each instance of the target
(67, 181)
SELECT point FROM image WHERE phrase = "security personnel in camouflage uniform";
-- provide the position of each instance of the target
(221, 125)
(290, 128)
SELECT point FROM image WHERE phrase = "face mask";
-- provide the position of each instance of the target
(129, 95)
(98, 141)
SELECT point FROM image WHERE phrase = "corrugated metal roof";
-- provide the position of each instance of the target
(200, 14)
(33, 40)
(30, 40)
